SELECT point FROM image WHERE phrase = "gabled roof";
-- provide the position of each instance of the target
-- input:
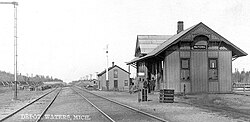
(175, 39)
(233, 47)
(147, 43)
(103, 72)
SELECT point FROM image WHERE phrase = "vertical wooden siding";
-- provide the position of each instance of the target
(172, 70)
(199, 71)
(161, 75)
(213, 87)
(225, 71)
(213, 54)
(185, 54)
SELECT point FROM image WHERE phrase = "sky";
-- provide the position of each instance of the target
(67, 39)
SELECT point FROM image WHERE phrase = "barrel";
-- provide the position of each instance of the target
(166, 96)
(144, 95)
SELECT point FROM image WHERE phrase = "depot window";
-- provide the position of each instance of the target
(126, 83)
(185, 69)
(213, 68)
(115, 73)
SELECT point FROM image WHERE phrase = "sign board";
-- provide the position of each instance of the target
(199, 46)
(141, 74)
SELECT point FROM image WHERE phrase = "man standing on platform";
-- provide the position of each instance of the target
(153, 84)
(148, 85)
(140, 87)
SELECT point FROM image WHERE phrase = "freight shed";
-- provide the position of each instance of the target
(118, 79)
(197, 59)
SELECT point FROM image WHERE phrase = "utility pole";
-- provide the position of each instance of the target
(15, 45)
(107, 72)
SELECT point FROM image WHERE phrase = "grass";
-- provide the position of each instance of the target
(223, 103)
(5, 89)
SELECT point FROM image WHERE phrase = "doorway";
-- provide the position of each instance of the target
(116, 84)
(199, 81)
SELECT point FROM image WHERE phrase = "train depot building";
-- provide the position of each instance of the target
(118, 79)
(197, 59)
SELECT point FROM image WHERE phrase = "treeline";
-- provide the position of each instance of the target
(5, 76)
(241, 77)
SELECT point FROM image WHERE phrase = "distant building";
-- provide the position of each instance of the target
(84, 83)
(118, 79)
(93, 82)
(197, 59)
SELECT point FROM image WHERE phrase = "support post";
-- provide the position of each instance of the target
(15, 50)
(107, 72)
(15, 46)
(244, 87)
(184, 90)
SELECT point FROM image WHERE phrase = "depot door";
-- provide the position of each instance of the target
(115, 84)
(199, 78)
(107, 84)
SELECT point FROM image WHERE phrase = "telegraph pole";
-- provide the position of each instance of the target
(15, 48)
(15, 45)
(107, 68)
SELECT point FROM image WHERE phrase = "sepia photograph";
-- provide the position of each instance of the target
(124, 61)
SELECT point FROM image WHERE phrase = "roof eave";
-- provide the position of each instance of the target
(140, 59)
(136, 46)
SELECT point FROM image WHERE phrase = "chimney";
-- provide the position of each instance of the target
(179, 26)
(113, 64)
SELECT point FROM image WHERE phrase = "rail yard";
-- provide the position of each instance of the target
(76, 103)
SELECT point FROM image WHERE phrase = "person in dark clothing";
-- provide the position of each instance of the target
(145, 84)
(153, 84)
(148, 86)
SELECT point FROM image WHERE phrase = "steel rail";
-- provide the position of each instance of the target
(94, 106)
(27, 105)
(44, 111)
(132, 108)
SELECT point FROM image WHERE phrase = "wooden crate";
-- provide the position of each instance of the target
(166, 96)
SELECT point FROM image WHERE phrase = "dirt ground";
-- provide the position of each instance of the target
(188, 109)
(8, 105)
(228, 102)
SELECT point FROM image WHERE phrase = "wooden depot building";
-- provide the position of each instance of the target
(197, 58)
(118, 79)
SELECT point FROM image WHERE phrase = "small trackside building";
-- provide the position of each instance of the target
(118, 79)
(197, 59)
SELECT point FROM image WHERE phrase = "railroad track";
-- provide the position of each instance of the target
(34, 110)
(116, 111)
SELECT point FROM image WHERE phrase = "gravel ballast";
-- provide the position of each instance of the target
(181, 110)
